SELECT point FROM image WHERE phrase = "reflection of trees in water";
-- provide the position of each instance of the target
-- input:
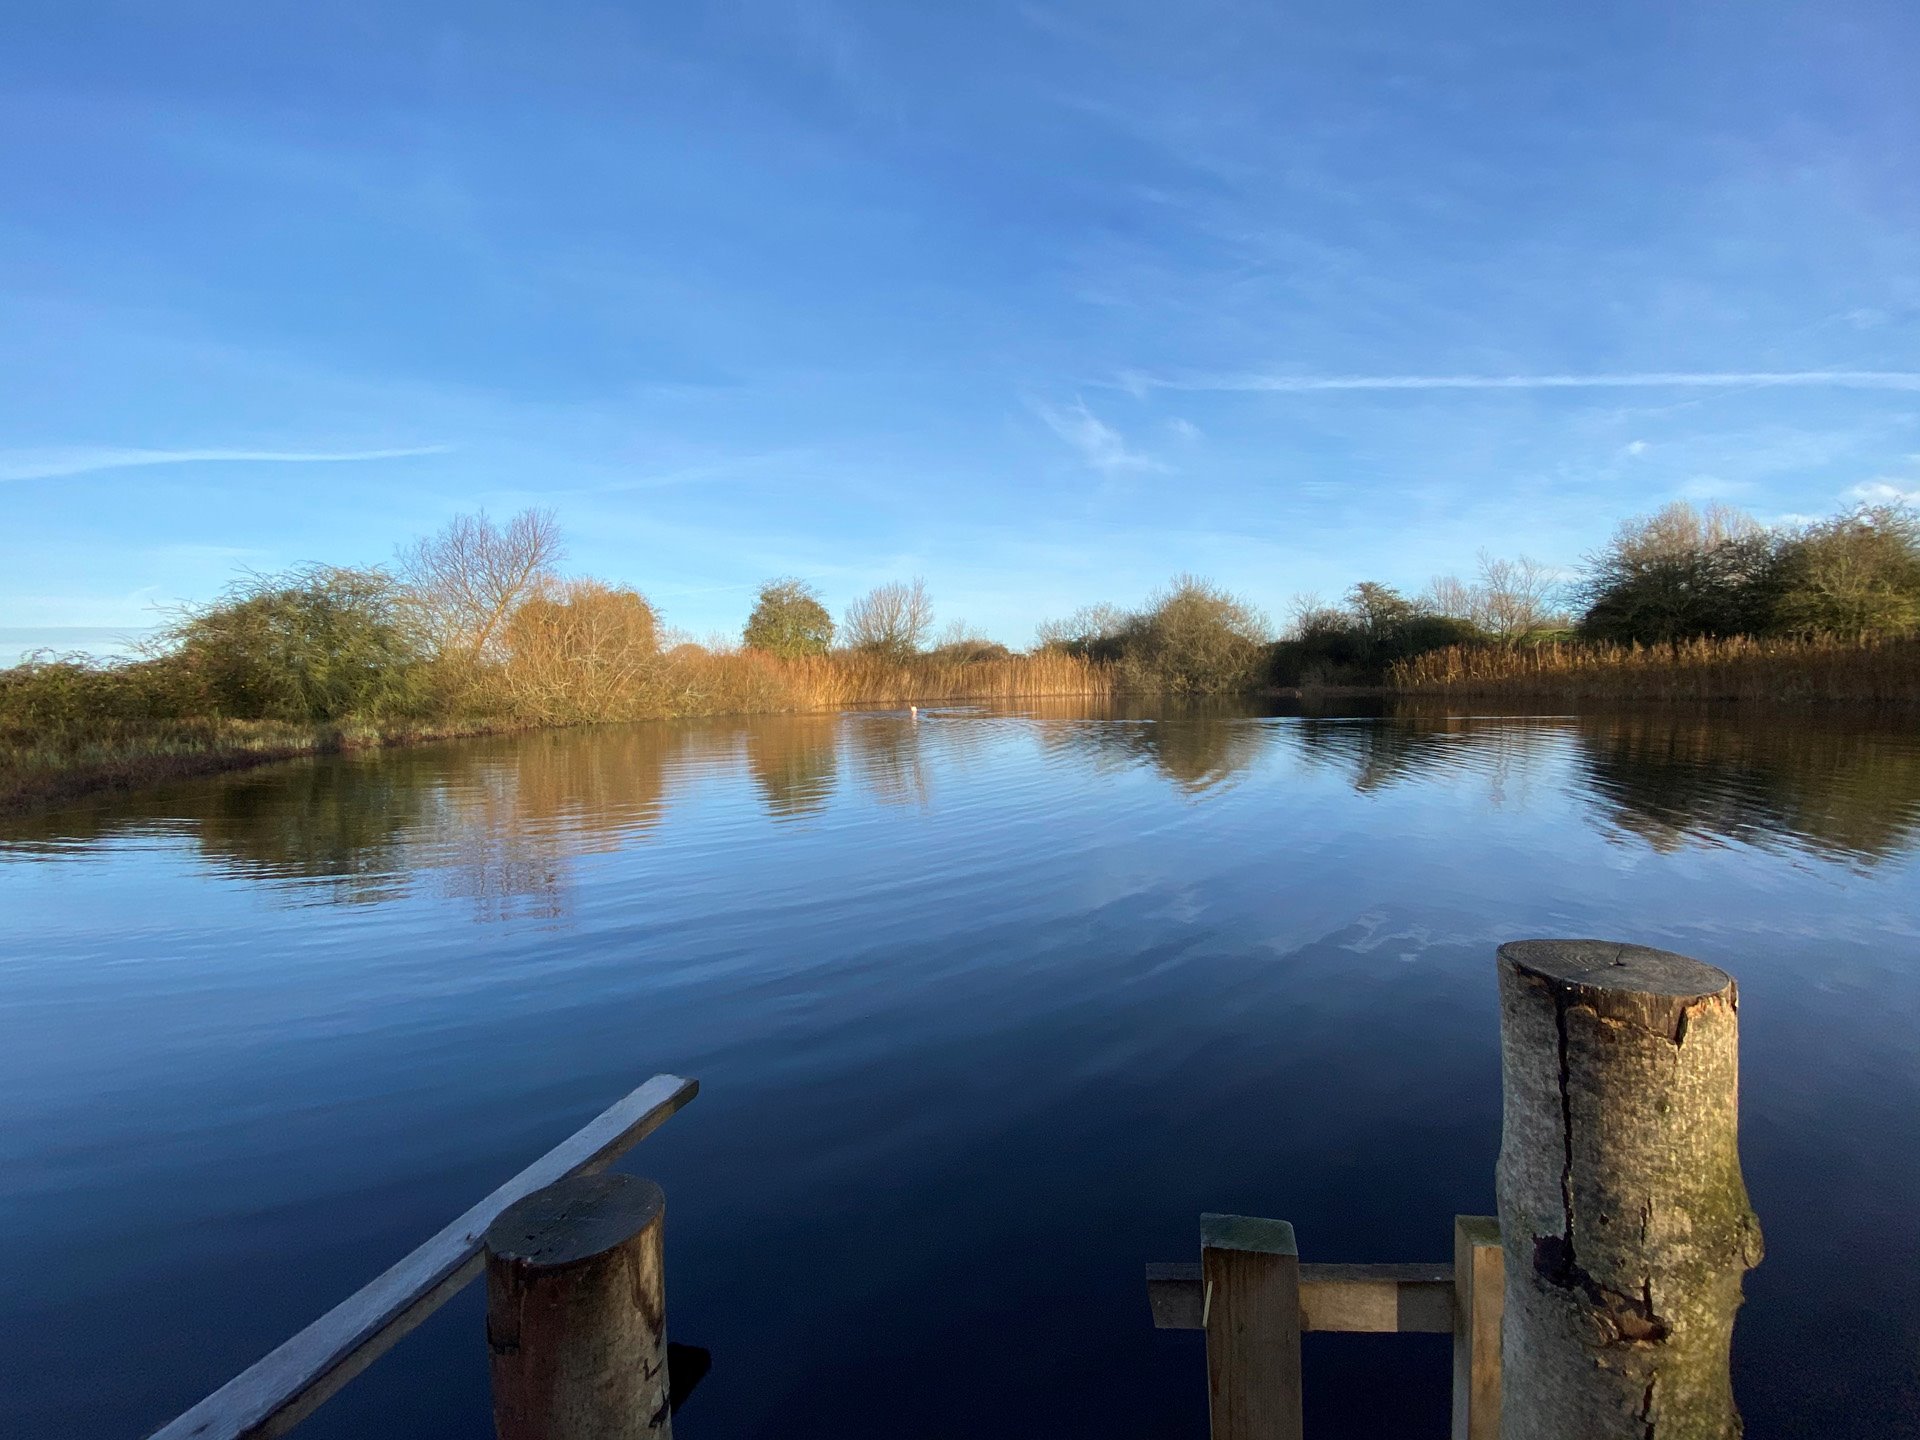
(1197, 748)
(1845, 787)
(506, 826)
(500, 822)
(794, 761)
(1841, 785)
(496, 821)
(337, 821)
(1377, 754)
(887, 759)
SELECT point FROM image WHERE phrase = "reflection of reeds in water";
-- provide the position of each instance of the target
(1862, 671)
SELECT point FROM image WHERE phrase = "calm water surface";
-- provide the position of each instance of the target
(986, 1009)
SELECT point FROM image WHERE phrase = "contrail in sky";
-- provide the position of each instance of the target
(1636, 380)
(83, 460)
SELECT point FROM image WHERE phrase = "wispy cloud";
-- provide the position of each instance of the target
(83, 460)
(1635, 380)
(1101, 446)
(1887, 491)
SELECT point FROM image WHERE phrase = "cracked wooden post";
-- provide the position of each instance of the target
(1623, 1214)
(576, 1313)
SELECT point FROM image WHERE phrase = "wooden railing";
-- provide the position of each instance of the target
(1620, 1084)
(1254, 1299)
(280, 1390)
(1610, 1314)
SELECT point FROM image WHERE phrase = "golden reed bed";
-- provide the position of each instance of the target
(1868, 671)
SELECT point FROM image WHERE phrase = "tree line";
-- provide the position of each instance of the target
(1681, 574)
(479, 619)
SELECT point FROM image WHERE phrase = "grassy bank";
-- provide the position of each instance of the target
(48, 770)
(1777, 670)
(67, 732)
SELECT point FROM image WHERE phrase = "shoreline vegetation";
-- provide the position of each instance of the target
(1781, 670)
(475, 631)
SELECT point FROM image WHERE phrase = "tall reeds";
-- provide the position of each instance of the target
(1863, 671)
(855, 678)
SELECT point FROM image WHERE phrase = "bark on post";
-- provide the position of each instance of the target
(576, 1313)
(1623, 1213)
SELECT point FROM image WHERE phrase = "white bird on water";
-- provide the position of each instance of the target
(914, 711)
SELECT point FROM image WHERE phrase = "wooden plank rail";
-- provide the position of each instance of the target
(277, 1392)
(1368, 1299)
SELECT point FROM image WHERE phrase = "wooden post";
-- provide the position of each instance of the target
(1622, 1208)
(576, 1313)
(1477, 1302)
(1250, 1287)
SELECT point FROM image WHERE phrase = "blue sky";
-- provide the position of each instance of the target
(1042, 301)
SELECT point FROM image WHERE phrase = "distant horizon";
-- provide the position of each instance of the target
(1045, 302)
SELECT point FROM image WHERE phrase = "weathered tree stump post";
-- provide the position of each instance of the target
(576, 1313)
(1623, 1213)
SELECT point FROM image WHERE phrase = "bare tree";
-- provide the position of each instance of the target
(1308, 616)
(466, 580)
(1093, 631)
(1452, 597)
(892, 619)
(1517, 596)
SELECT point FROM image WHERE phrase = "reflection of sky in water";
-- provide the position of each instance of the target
(944, 982)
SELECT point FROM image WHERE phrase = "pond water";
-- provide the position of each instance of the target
(987, 1008)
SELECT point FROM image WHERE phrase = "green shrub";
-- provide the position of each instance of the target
(1855, 575)
(1357, 643)
(788, 620)
(314, 644)
(1194, 639)
(1682, 574)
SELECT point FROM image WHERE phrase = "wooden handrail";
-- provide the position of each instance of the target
(280, 1390)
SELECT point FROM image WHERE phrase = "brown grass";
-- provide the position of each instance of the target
(1794, 671)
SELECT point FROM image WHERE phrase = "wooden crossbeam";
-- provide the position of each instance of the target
(277, 1392)
(1368, 1299)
